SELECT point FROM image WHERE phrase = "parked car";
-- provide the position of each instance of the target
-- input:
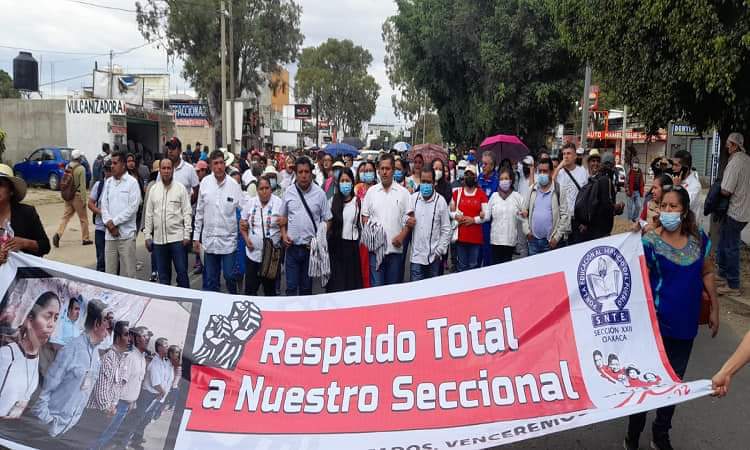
(620, 175)
(45, 166)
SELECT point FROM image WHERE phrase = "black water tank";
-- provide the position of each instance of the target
(25, 72)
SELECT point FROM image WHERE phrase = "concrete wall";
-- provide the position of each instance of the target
(191, 135)
(31, 124)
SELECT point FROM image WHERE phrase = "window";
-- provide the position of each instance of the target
(49, 155)
(37, 155)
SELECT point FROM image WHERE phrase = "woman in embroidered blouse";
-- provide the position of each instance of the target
(19, 360)
(676, 254)
(366, 178)
(259, 220)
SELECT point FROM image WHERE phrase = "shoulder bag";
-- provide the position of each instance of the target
(271, 259)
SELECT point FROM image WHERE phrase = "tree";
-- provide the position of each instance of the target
(488, 67)
(266, 36)
(6, 86)
(334, 78)
(427, 130)
(687, 60)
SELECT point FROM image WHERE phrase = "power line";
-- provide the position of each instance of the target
(52, 51)
(66, 79)
(96, 5)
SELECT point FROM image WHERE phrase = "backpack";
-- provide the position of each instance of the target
(67, 185)
(584, 209)
(715, 203)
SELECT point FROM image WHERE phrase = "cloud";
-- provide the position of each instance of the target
(58, 25)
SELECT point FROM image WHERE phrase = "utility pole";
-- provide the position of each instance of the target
(111, 74)
(231, 77)
(585, 117)
(223, 74)
(424, 122)
(317, 121)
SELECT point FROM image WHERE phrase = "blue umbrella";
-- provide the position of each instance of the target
(336, 150)
(402, 146)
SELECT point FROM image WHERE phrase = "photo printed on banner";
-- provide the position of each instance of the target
(87, 365)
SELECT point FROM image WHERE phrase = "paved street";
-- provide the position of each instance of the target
(702, 424)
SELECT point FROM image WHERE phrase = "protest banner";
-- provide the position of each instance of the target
(469, 360)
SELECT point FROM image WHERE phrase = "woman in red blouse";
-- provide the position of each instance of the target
(466, 208)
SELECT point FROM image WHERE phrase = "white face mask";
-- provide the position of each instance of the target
(438, 175)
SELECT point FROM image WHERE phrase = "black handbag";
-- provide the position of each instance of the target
(270, 262)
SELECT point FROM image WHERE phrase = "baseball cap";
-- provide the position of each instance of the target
(580, 151)
(471, 168)
(339, 164)
(594, 153)
(18, 184)
(737, 139)
(75, 154)
(270, 170)
(528, 160)
(174, 143)
(462, 164)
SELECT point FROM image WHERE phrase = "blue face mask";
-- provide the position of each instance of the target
(426, 190)
(346, 188)
(368, 177)
(470, 158)
(398, 176)
(274, 183)
(670, 220)
(542, 179)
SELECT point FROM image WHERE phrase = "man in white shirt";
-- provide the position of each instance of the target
(684, 175)
(168, 225)
(216, 224)
(156, 386)
(570, 176)
(386, 203)
(182, 171)
(119, 204)
(432, 230)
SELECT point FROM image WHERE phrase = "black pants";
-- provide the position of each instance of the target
(502, 253)
(678, 353)
(253, 280)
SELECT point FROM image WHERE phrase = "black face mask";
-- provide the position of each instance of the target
(526, 171)
(470, 180)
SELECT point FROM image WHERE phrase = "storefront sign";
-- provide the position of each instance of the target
(481, 358)
(679, 129)
(302, 111)
(95, 106)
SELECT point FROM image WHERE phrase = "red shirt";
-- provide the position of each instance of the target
(470, 206)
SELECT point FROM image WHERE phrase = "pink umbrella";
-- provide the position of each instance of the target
(429, 152)
(505, 146)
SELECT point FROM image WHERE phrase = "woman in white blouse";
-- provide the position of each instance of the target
(259, 220)
(19, 360)
(505, 210)
(343, 241)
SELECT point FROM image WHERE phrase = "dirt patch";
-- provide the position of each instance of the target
(42, 196)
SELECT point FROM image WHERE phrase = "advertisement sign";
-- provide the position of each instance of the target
(482, 358)
(302, 111)
(128, 88)
(681, 129)
(190, 114)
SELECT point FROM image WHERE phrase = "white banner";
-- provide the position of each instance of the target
(471, 360)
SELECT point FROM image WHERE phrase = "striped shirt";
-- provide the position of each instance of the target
(112, 377)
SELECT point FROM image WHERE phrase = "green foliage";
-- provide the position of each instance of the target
(409, 102)
(6, 86)
(666, 59)
(427, 130)
(333, 78)
(488, 67)
(266, 36)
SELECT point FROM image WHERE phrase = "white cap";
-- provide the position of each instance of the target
(737, 139)
(529, 160)
(462, 164)
(580, 151)
(471, 168)
(270, 170)
(75, 154)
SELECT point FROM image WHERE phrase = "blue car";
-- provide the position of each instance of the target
(45, 166)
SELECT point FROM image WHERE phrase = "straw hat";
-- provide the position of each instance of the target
(19, 186)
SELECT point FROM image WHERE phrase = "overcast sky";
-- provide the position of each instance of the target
(68, 37)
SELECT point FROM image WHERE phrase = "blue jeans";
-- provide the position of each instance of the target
(168, 254)
(297, 264)
(213, 265)
(636, 205)
(487, 258)
(537, 246)
(424, 271)
(728, 252)
(99, 238)
(468, 256)
(121, 410)
(389, 269)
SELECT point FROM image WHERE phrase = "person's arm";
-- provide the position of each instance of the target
(104, 208)
(741, 357)
(81, 179)
(187, 217)
(198, 221)
(730, 180)
(52, 381)
(445, 230)
(563, 226)
(709, 285)
(92, 202)
(148, 221)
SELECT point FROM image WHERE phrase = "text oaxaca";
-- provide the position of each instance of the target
(479, 338)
